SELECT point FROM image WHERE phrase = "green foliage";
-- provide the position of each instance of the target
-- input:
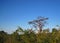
(3, 36)
(30, 36)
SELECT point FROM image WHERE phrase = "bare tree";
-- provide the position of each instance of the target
(39, 23)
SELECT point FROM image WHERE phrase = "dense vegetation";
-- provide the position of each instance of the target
(29, 36)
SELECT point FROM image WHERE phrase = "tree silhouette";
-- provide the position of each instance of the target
(39, 23)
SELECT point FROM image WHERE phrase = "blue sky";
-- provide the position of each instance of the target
(14, 13)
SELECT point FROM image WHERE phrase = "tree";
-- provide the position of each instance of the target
(39, 23)
(3, 36)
